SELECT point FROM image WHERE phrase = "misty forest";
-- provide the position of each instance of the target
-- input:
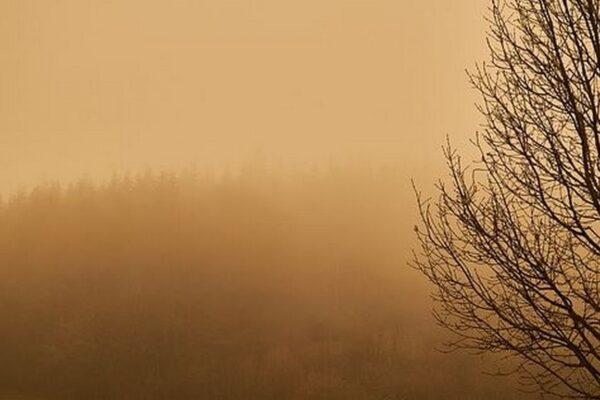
(244, 286)
(250, 285)
(143, 257)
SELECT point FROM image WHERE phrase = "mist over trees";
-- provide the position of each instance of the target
(512, 244)
(253, 285)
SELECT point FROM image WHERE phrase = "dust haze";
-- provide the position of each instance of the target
(212, 200)
(93, 87)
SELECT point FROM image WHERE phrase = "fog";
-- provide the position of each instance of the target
(89, 88)
(212, 199)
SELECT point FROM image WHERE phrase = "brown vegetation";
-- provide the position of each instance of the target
(246, 286)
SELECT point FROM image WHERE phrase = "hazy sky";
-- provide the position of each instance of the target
(91, 87)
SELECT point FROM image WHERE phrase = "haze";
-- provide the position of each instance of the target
(212, 199)
(89, 88)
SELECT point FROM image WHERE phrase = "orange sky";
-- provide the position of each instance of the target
(91, 87)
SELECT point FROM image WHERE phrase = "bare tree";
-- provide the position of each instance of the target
(512, 244)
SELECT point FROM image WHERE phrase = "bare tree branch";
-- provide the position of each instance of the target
(512, 243)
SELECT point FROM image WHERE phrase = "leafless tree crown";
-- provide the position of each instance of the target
(512, 243)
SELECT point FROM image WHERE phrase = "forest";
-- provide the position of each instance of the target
(259, 283)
